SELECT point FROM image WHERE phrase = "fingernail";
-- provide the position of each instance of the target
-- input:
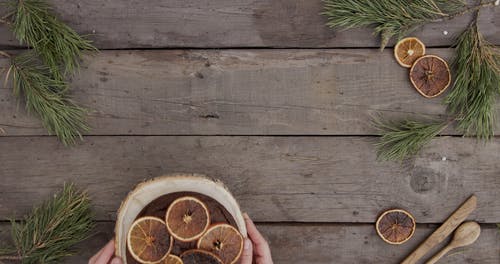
(247, 243)
(245, 215)
(116, 260)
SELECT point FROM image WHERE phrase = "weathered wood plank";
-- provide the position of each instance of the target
(237, 92)
(328, 244)
(297, 179)
(360, 244)
(230, 23)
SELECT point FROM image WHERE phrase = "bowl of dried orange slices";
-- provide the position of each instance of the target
(180, 219)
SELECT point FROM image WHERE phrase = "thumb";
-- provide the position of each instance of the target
(116, 260)
(246, 256)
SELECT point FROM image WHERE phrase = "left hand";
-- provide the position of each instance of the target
(106, 255)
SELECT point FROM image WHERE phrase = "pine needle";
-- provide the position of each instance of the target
(59, 46)
(46, 96)
(400, 140)
(476, 86)
(50, 231)
(392, 17)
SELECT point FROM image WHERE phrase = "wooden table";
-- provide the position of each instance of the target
(263, 96)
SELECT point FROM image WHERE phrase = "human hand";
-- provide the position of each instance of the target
(106, 255)
(255, 247)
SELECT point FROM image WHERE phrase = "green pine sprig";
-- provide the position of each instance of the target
(400, 140)
(58, 45)
(39, 76)
(47, 96)
(476, 85)
(393, 17)
(471, 102)
(49, 232)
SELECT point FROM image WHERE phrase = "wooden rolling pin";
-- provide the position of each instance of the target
(443, 231)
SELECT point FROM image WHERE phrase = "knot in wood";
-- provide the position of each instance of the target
(423, 180)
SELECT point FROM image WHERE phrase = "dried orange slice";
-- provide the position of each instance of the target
(395, 226)
(408, 50)
(224, 241)
(197, 256)
(187, 218)
(172, 259)
(430, 75)
(148, 240)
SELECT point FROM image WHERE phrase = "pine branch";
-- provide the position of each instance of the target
(469, 10)
(7, 252)
(50, 231)
(400, 140)
(4, 21)
(393, 17)
(47, 97)
(59, 46)
(471, 103)
(476, 86)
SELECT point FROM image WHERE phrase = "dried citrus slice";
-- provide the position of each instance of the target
(223, 240)
(172, 259)
(430, 75)
(197, 256)
(395, 226)
(187, 218)
(408, 50)
(148, 240)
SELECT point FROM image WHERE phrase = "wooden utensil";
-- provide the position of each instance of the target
(443, 231)
(466, 234)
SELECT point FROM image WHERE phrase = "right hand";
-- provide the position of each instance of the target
(106, 255)
(255, 247)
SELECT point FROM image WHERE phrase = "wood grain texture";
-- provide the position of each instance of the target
(305, 244)
(295, 179)
(237, 92)
(231, 23)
